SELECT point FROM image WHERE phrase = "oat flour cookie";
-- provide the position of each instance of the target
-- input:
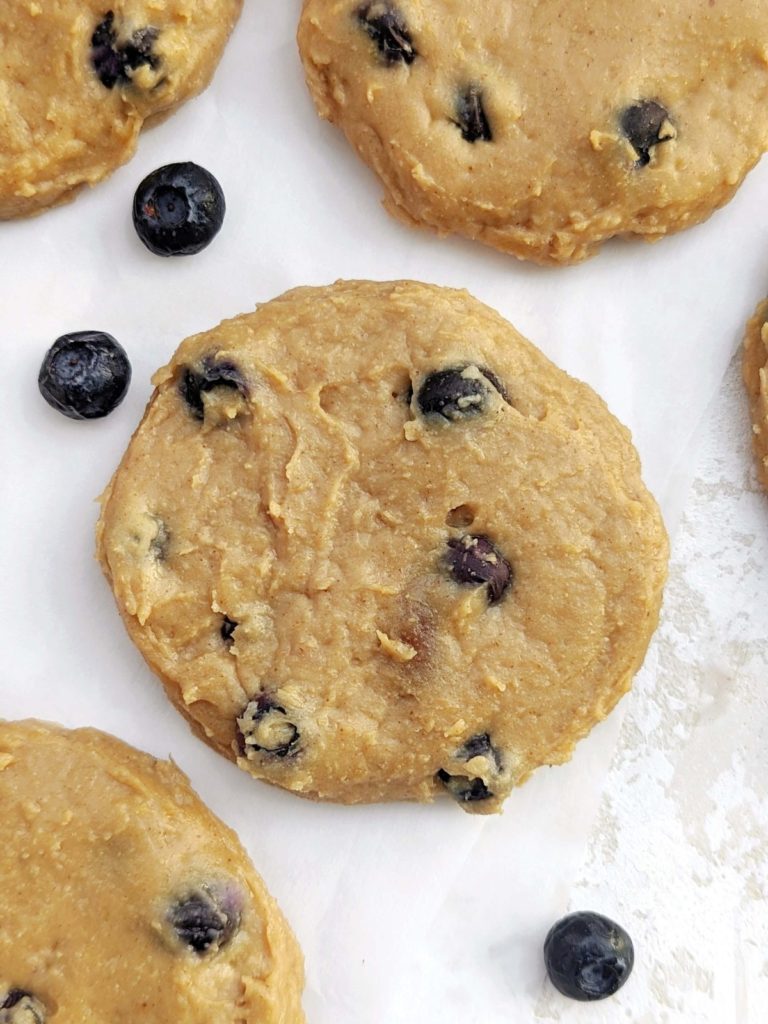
(79, 78)
(124, 899)
(377, 546)
(545, 128)
(756, 379)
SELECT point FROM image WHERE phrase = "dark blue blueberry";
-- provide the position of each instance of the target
(205, 919)
(84, 375)
(464, 790)
(387, 28)
(480, 746)
(20, 1007)
(474, 561)
(113, 61)
(642, 123)
(178, 209)
(588, 956)
(454, 394)
(471, 117)
(228, 628)
(264, 727)
(213, 373)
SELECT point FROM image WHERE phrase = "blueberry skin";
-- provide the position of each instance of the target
(178, 209)
(642, 124)
(473, 560)
(588, 956)
(85, 375)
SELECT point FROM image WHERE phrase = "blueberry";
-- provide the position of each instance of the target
(178, 209)
(462, 788)
(161, 542)
(264, 727)
(228, 628)
(113, 62)
(387, 28)
(84, 375)
(20, 1007)
(643, 124)
(458, 392)
(588, 956)
(205, 919)
(471, 117)
(213, 373)
(474, 561)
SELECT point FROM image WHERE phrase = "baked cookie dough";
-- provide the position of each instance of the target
(378, 547)
(79, 79)
(124, 899)
(755, 368)
(544, 129)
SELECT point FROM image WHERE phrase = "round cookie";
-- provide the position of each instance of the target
(79, 79)
(755, 367)
(544, 129)
(124, 899)
(378, 547)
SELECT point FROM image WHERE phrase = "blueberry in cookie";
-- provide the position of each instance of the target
(101, 71)
(544, 129)
(124, 898)
(377, 547)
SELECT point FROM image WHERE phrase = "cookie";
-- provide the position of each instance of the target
(80, 78)
(378, 547)
(544, 129)
(755, 367)
(124, 898)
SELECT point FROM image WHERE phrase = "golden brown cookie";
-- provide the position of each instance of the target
(755, 367)
(378, 547)
(124, 899)
(544, 129)
(79, 79)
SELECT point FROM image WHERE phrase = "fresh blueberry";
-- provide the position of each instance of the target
(387, 28)
(471, 117)
(20, 1007)
(205, 919)
(228, 628)
(643, 124)
(588, 956)
(85, 375)
(265, 728)
(178, 209)
(474, 561)
(458, 392)
(113, 62)
(213, 373)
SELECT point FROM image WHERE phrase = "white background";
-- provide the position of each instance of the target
(405, 913)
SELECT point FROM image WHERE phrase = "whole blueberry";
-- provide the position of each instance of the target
(85, 375)
(178, 209)
(588, 956)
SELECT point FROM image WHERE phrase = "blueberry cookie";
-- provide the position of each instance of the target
(378, 547)
(124, 899)
(755, 366)
(79, 79)
(544, 129)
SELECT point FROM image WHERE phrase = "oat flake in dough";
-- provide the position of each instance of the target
(80, 78)
(544, 128)
(755, 366)
(124, 899)
(378, 547)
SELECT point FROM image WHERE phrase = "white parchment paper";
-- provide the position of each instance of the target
(405, 913)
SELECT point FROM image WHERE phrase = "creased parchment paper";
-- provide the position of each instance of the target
(383, 899)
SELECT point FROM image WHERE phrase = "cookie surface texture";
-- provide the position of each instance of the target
(378, 547)
(124, 898)
(79, 80)
(544, 129)
(755, 367)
